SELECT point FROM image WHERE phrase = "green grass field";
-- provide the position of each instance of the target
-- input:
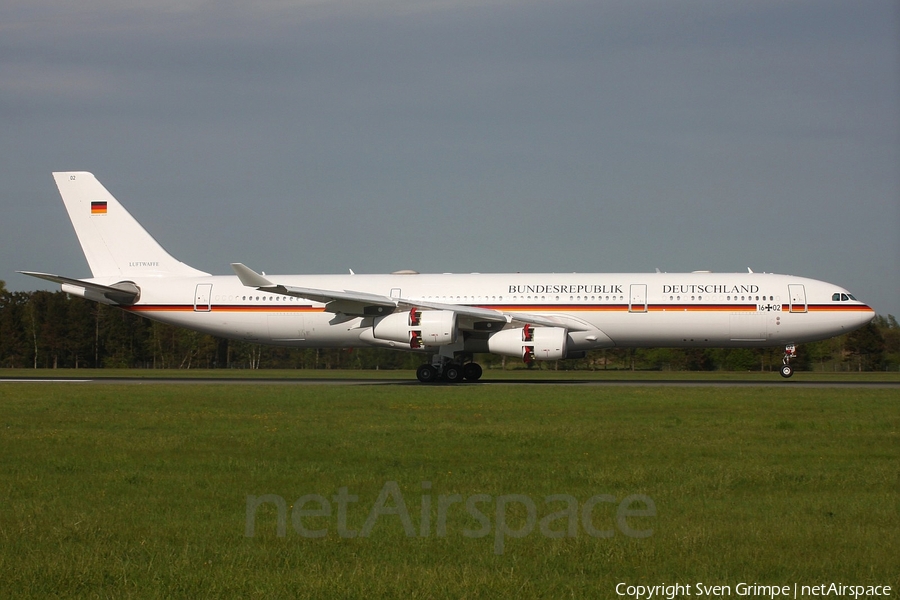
(516, 373)
(141, 490)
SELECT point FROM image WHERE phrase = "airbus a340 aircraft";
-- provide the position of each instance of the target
(447, 317)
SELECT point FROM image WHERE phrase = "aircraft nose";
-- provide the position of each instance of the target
(864, 315)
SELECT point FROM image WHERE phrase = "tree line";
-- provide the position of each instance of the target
(46, 330)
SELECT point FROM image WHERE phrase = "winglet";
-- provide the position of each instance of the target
(249, 277)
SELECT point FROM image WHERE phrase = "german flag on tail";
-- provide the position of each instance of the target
(98, 208)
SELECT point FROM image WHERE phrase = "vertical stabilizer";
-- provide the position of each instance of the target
(114, 244)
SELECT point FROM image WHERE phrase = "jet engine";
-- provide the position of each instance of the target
(417, 328)
(530, 343)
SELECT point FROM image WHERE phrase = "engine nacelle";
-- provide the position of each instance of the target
(530, 343)
(417, 328)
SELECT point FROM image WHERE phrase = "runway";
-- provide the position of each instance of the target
(775, 382)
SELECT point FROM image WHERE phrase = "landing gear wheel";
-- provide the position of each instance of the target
(427, 374)
(472, 371)
(790, 351)
(453, 373)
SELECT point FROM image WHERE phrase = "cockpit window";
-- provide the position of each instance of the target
(840, 297)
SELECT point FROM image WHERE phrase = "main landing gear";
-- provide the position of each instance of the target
(443, 368)
(790, 351)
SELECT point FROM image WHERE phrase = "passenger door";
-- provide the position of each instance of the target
(637, 299)
(202, 296)
(797, 294)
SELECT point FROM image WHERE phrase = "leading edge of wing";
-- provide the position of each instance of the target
(340, 301)
(251, 278)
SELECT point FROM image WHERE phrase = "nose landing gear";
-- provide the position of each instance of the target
(790, 351)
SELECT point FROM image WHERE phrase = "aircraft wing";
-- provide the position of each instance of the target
(364, 300)
(365, 304)
(489, 314)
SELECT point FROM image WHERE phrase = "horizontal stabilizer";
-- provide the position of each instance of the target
(124, 292)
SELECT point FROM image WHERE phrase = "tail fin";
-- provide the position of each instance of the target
(114, 243)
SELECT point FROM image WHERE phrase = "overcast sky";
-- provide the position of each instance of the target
(463, 135)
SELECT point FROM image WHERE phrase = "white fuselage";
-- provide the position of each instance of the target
(610, 309)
